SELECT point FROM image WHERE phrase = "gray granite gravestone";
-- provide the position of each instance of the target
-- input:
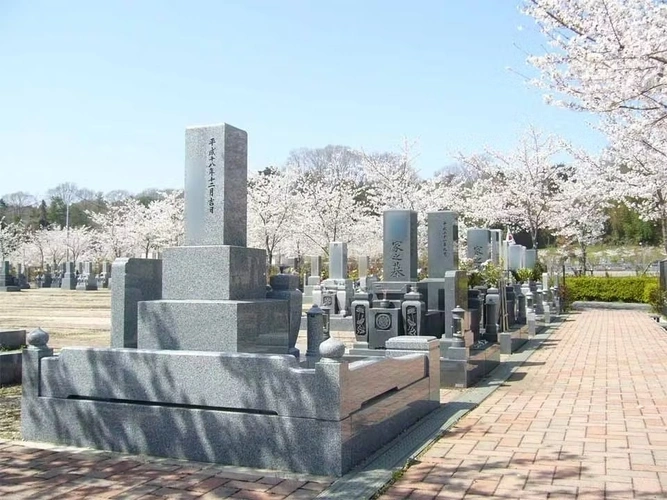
(496, 245)
(104, 276)
(314, 279)
(364, 265)
(399, 245)
(479, 245)
(337, 290)
(212, 379)
(87, 280)
(514, 257)
(7, 283)
(69, 277)
(443, 243)
(442, 258)
(216, 163)
(530, 258)
(230, 313)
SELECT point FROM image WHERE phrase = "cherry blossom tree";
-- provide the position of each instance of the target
(55, 245)
(516, 188)
(79, 243)
(272, 207)
(328, 193)
(609, 57)
(114, 232)
(11, 238)
(577, 214)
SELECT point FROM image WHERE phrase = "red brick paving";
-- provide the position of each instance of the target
(37, 473)
(585, 417)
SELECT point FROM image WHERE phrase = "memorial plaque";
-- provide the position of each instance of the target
(360, 327)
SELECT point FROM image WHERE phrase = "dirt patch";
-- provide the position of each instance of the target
(10, 412)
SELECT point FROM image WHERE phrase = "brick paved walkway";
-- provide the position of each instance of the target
(36, 473)
(586, 417)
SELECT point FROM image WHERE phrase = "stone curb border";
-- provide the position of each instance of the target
(378, 471)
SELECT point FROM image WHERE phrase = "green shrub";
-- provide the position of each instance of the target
(602, 289)
(655, 296)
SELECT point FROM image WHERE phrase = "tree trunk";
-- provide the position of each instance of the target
(583, 258)
(663, 225)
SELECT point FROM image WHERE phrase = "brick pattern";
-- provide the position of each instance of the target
(585, 417)
(28, 472)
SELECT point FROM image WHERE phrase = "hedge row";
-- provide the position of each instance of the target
(616, 289)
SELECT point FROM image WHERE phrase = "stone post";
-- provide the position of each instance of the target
(31, 370)
(315, 332)
(521, 307)
(492, 311)
(511, 305)
(286, 287)
(530, 313)
(475, 308)
(538, 298)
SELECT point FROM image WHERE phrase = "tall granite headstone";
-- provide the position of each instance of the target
(514, 257)
(216, 165)
(6, 279)
(479, 245)
(314, 279)
(338, 260)
(214, 287)
(69, 280)
(337, 291)
(530, 258)
(496, 246)
(443, 243)
(399, 245)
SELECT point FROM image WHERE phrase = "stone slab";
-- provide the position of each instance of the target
(162, 403)
(259, 326)
(10, 367)
(214, 273)
(134, 280)
(336, 323)
(513, 340)
(12, 339)
(462, 373)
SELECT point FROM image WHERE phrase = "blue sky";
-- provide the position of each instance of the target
(100, 93)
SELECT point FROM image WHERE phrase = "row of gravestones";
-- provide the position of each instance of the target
(67, 277)
(401, 304)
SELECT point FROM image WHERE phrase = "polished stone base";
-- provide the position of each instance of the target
(250, 410)
(9, 289)
(512, 341)
(471, 366)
